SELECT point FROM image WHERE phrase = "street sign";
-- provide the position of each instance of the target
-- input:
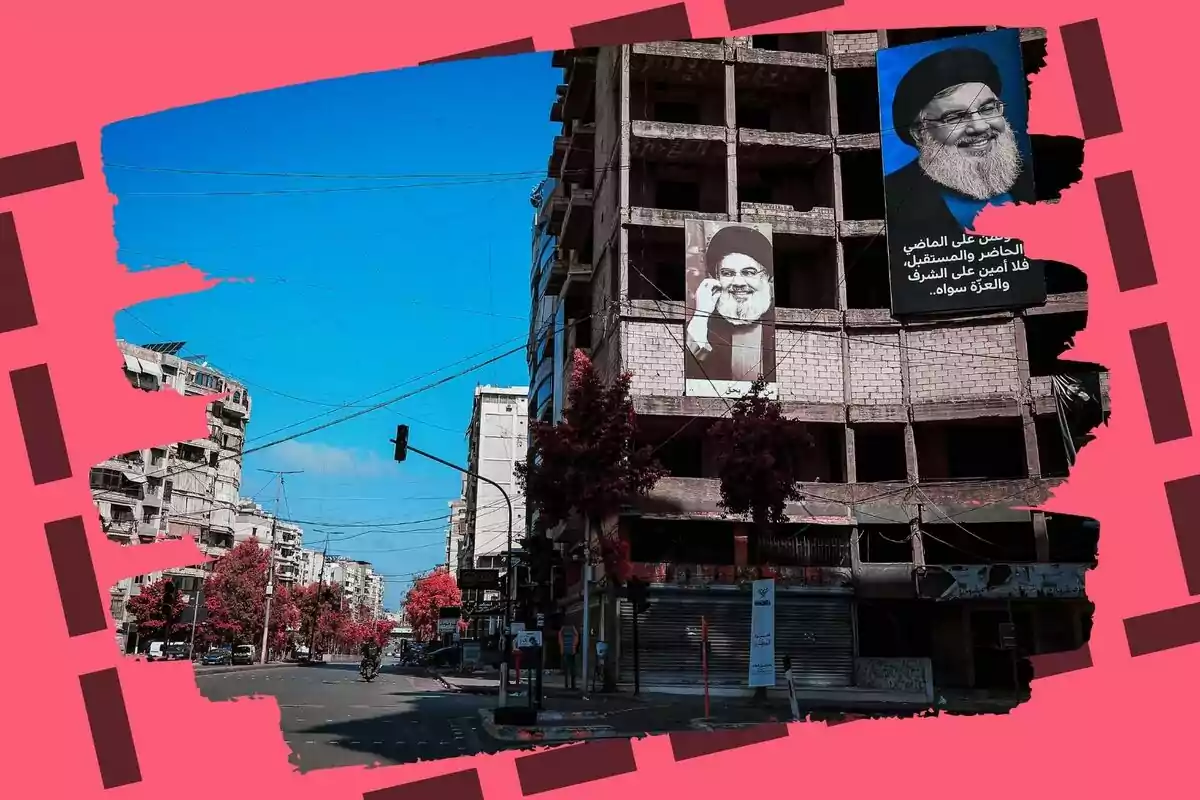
(541, 621)
(447, 625)
(479, 579)
(527, 639)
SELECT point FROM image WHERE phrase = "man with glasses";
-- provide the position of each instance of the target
(948, 107)
(731, 335)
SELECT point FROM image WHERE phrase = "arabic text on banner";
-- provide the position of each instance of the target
(762, 633)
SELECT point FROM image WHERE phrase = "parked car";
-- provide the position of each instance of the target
(242, 654)
(176, 651)
(156, 651)
(217, 657)
(442, 657)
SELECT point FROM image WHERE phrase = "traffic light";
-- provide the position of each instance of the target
(635, 591)
(170, 594)
(401, 442)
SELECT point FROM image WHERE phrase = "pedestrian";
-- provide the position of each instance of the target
(568, 645)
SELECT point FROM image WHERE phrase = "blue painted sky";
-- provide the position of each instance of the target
(422, 262)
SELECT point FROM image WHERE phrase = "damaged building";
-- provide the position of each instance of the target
(908, 571)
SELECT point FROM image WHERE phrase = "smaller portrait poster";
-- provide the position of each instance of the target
(954, 115)
(729, 336)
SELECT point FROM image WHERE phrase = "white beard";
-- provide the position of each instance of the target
(980, 178)
(746, 310)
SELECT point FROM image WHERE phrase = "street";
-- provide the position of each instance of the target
(331, 717)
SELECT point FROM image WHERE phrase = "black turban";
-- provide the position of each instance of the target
(737, 239)
(936, 73)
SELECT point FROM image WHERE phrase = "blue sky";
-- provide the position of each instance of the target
(422, 262)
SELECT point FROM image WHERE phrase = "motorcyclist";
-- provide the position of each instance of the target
(370, 654)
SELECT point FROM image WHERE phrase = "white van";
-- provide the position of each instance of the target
(156, 652)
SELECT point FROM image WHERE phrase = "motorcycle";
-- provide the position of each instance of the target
(369, 669)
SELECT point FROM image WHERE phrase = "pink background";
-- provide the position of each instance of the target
(71, 68)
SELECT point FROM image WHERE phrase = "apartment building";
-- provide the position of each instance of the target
(311, 566)
(456, 536)
(175, 490)
(497, 440)
(286, 540)
(361, 586)
(906, 564)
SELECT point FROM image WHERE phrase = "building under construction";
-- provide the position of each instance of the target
(906, 570)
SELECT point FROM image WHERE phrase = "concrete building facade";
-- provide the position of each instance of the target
(497, 440)
(171, 491)
(906, 566)
(252, 521)
(456, 536)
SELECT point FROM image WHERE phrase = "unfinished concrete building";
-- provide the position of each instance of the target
(906, 570)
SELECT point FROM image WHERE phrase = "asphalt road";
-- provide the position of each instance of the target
(331, 717)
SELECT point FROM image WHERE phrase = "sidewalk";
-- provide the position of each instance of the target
(568, 716)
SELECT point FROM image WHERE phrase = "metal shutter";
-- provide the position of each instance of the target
(817, 632)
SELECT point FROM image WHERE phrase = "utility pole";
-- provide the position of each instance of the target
(271, 560)
(312, 643)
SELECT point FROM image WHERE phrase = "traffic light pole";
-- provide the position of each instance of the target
(402, 448)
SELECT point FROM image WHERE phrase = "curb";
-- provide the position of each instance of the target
(547, 733)
(202, 671)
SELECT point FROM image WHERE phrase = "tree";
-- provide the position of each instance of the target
(759, 458)
(590, 464)
(425, 597)
(147, 609)
(322, 621)
(236, 596)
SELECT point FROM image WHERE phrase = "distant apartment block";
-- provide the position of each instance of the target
(286, 542)
(174, 490)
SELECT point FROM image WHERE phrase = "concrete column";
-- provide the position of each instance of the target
(916, 539)
(1041, 536)
(1032, 455)
(623, 175)
(732, 207)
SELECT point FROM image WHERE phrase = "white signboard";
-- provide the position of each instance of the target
(447, 625)
(762, 633)
(528, 639)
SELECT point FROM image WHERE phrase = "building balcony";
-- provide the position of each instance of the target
(667, 218)
(558, 154)
(577, 221)
(237, 409)
(753, 137)
(577, 162)
(786, 219)
(849, 229)
(856, 141)
(707, 576)
(774, 59)
(677, 141)
(868, 503)
(123, 529)
(1001, 582)
(554, 207)
(676, 49)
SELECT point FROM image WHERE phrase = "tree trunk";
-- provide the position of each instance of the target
(611, 631)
